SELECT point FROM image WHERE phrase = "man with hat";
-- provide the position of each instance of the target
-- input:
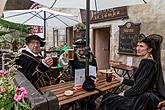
(33, 65)
(79, 57)
(79, 62)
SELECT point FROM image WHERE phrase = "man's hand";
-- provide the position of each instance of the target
(48, 60)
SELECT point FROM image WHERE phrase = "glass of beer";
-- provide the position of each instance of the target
(55, 60)
(108, 75)
(70, 54)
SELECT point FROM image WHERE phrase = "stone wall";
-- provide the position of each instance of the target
(151, 17)
(152, 21)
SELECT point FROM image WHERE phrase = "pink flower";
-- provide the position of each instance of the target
(17, 98)
(20, 93)
(2, 89)
(24, 92)
(17, 90)
(2, 72)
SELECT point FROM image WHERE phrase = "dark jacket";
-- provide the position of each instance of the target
(142, 95)
(79, 62)
(33, 69)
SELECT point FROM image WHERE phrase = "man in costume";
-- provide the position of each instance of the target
(79, 56)
(78, 62)
(34, 66)
(79, 59)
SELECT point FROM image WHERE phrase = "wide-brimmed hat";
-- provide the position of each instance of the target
(35, 37)
(80, 43)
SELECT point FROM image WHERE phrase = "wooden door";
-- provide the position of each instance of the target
(102, 47)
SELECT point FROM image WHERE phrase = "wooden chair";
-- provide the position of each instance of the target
(161, 105)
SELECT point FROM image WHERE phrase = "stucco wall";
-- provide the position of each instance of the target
(152, 20)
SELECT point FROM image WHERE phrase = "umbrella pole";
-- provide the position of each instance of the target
(44, 25)
(87, 37)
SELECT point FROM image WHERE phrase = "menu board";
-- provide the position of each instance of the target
(128, 37)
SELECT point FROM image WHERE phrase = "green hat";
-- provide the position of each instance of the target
(80, 43)
(64, 48)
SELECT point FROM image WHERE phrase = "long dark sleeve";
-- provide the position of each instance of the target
(128, 82)
(143, 78)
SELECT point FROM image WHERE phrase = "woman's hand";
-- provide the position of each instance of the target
(48, 60)
(115, 76)
(121, 93)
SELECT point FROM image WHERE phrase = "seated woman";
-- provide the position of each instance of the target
(146, 90)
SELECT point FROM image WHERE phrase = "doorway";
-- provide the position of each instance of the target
(102, 46)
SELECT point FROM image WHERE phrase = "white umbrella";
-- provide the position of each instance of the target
(42, 17)
(94, 4)
(89, 4)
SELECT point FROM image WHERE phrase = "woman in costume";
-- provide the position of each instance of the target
(147, 88)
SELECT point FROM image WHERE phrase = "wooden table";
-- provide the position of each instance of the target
(59, 89)
(126, 69)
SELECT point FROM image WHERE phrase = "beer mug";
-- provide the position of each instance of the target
(108, 75)
(70, 54)
(55, 60)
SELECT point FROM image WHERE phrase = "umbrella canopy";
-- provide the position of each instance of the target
(42, 17)
(94, 4)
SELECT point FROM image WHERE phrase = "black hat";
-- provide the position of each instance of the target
(35, 37)
(80, 42)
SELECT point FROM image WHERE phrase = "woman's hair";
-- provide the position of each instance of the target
(154, 42)
(150, 43)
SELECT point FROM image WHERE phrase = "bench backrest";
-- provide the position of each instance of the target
(47, 101)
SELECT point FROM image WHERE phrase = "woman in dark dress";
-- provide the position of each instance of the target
(147, 88)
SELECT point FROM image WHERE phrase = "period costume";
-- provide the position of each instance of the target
(32, 66)
(80, 60)
(142, 95)
(34, 70)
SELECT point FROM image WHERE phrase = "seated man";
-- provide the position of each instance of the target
(79, 58)
(33, 65)
(79, 62)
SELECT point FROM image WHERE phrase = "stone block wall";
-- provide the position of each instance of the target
(151, 17)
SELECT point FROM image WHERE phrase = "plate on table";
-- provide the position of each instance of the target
(68, 92)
